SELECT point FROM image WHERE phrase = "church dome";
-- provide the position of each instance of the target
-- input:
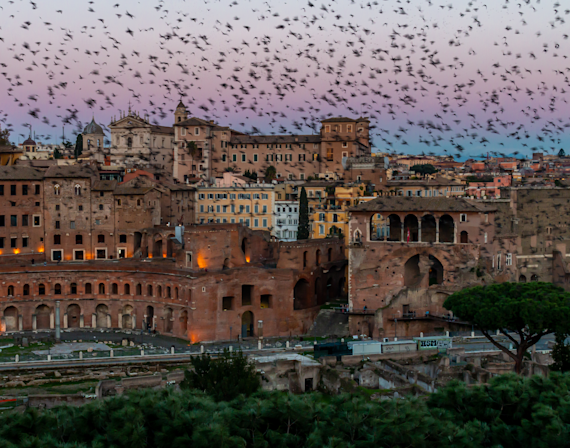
(29, 142)
(93, 128)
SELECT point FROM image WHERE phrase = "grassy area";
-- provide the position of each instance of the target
(17, 350)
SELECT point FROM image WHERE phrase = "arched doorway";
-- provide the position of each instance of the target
(11, 318)
(138, 241)
(428, 229)
(534, 278)
(247, 324)
(184, 321)
(73, 315)
(464, 237)
(101, 313)
(446, 229)
(168, 320)
(157, 249)
(300, 295)
(395, 228)
(522, 279)
(246, 250)
(43, 317)
(412, 272)
(411, 228)
(226, 264)
(435, 271)
(127, 317)
(149, 317)
(170, 246)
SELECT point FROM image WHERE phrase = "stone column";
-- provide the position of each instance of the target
(57, 322)
(94, 320)
(153, 322)
(81, 321)
(437, 230)
(143, 323)
(21, 322)
(120, 320)
(134, 321)
(34, 322)
(65, 321)
(454, 232)
(402, 232)
(51, 320)
(109, 321)
(419, 230)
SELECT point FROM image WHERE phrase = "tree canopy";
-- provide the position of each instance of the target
(424, 169)
(561, 153)
(508, 412)
(78, 146)
(4, 137)
(522, 312)
(224, 378)
(303, 230)
(270, 173)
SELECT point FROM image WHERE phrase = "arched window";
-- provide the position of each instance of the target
(149, 290)
(26, 290)
(522, 279)
(168, 292)
(78, 190)
(10, 290)
(41, 289)
(127, 289)
(73, 288)
(159, 291)
(101, 288)
(57, 289)
(114, 288)
(357, 236)
(534, 278)
(56, 190)
(175, 292)
(464, 237)
(138, 289)
(88, 288)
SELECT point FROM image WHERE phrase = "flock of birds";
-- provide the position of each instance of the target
(434, 77)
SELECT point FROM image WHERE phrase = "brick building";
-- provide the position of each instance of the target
(213, 282)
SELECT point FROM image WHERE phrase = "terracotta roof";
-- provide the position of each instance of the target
(20, 172)
(77, 171)
(344, 119)
(162, 129)
(104, 185)
(193, 121)
(414, 204)
(274, 139)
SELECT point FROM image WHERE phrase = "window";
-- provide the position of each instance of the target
(188, 259)
(41, 289)
(100, 206)
(57, 255)
(227, 303)
(78, 190)
(101, 288)
(57, 208)
(26, 291)
(56, 190)
(255, 157)
(100, 238)
(2, 242)
(57, 239)
(264, 222)
(348, 128)
(101, 254)
(57, 289)
(234, 157)
(80, 208)
(25, 241)
(485, 237)
(88, 288)
(327, 128)
(73, 288)
(25, 220)
(122, 238)
(13, 190)
(1, 190)
(256, 223)
(463, 217)
(243, 157)
(321, 229)
(127, 289)
(14, 220)
(344, 145)
(37, 220)
(13, 242)
(57, 224)
(78, 255)
(24, 190)
(196, 131)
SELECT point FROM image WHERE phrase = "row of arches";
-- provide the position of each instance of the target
(318, 257)
(43, 318)
(427, 229)
(306, 297)
(533, 278)
(167, 292)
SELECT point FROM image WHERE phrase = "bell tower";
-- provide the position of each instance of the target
(180, 114)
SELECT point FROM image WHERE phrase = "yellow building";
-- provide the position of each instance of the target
(9, 155)
(250, 204)
(330, 214)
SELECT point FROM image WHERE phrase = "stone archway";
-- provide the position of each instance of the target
(412, 275)
(411, 227)
(73, 316)
(301, 295)
(43, 319)
(446, 229)
(127, 317)
(395, 228)
(11, 318)
(429, 229)
(157, 248)
(101, 313)
(168, 323)
(149, 321)
(435, 271)
(247, 324)
(184, 321)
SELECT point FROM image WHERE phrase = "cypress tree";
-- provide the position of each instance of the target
(303, 231)
(78, 146)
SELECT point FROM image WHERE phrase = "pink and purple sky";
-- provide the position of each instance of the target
(462, 77)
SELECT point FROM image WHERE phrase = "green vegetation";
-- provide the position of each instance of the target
(508, 412)
(303, 232)
(561, 354)
(250, 175)
(479, 179)
(78, 146)
(561, 153)
(270, 173)
(5, 137)
(529, 310)
(424, 169)
(224, 378)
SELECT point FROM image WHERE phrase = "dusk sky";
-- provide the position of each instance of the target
(437, 77)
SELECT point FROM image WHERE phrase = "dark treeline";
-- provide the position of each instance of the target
(509, 412)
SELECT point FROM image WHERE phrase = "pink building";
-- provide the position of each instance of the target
(488, 189)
